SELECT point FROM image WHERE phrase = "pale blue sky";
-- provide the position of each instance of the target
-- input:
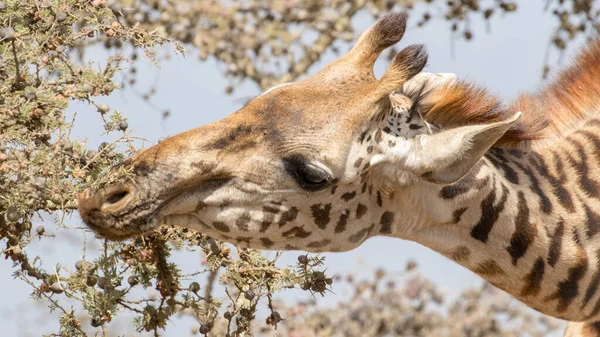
(507, 59)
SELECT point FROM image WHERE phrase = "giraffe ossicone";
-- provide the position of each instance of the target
(325, 163)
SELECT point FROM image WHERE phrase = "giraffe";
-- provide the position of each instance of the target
(325, 163)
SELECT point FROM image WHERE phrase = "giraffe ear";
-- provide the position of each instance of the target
(447, 156)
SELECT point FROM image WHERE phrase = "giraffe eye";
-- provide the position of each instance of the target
(310, 177)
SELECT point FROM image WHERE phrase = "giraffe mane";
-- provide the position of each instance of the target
(559, 107)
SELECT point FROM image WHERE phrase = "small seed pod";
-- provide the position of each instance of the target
(318, 287)
(67, 145)
(91, 281)
(103, 108)
(150, 309)
(204, 329)
(40, 230)
(102, 282)
(303, 259)
(7, 34)
(39, 183)
(13, 214)
(276, 317)
(194, 287)
(249, 295)
(60, 16)
(102, 146)
(319, 276)
(133, 281)
(95, 322)
(214, 246)
(123, 125)
(91, 154)
(86, 88)
(29, 93)
(57, 199)
(56, 288)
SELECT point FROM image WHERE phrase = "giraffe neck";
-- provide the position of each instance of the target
(528, 222)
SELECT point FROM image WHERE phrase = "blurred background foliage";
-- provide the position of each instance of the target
(43, 45)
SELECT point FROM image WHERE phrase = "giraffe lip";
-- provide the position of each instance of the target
(110, 227)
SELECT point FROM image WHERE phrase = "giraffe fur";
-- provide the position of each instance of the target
(509, 191)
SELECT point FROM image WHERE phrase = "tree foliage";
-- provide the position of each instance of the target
(42, 44)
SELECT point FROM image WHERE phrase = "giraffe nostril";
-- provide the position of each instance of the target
(115, 197)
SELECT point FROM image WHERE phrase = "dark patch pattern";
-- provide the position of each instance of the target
(266, 242)
(489, 214)
(556, 243)
(360, 235)
(463, 185)
(386, 221)
(340, 226)
(534, 185)
(320, 214)
(296, 232)
(457, 214)
(461, 254)
(489, 268)
(533, 280)
(502, 163)
(569, 289)
(592, 221)
(525, 231)
(361, 210)
(288, 216)
(594, 283)
(319, 244)
(348, 196)
(580, 164)
(221, 226)
(563, 195)
(243, 221)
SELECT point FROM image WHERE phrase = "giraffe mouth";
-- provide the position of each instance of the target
(115, 230)
(144, 217)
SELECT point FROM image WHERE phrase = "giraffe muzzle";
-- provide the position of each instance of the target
(116, 212)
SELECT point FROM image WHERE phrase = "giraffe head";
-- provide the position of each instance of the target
(319, 165)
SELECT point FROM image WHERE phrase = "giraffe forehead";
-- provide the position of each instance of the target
(298, 109)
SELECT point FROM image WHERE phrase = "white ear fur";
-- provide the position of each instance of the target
(428, 81)
(447, 156)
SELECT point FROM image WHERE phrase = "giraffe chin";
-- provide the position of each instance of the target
(120, 231)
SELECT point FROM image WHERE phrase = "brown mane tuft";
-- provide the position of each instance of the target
(561, 106)
(463, 103)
